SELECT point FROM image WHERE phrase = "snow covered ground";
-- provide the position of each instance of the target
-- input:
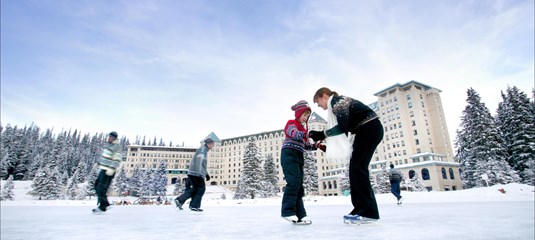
(484, 213)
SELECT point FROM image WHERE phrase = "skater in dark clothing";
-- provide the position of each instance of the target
(348, 115)
(395, 177)
(196, 174)
(108, 164)
(292, 162)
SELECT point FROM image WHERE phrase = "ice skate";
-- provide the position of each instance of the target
(304, 221)
(178, 204)
(98, 211)
(196, 209)
(292, 219)
(357, 219)
(400, 200)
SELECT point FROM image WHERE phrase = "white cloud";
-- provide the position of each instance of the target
(180, 71)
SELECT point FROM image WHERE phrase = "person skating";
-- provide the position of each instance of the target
(292, 162)
(395, 177)
(348, 115)
(108, 163)
(197, 173)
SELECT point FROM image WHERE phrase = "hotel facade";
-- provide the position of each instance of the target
(416, 141)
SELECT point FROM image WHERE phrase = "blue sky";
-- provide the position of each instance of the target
(179, 70)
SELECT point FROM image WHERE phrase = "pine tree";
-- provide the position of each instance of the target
(54, 187)
(147, 183)
(160, 180)
(480, 147)
(80, 172)
(89, 189)
(39, 182)
(310, 178)
(72, 189)
(178, 187)
(251, 180)
(270, 176)
(134, 182)
(4, 164)
(516, 122)
(7, 143)
(120, 183)
(382, 183)
(7, 190)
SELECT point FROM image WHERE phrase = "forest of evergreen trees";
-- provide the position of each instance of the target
(502, 147)
(58, 164)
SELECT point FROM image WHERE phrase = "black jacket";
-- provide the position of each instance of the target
(350, 114)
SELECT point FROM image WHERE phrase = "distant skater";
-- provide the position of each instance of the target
(196, 174)
(348, 115)
(395, 177)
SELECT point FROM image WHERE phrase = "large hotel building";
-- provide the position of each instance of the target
(416, 141)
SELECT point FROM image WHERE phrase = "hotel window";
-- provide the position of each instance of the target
(444, 175)
(425, 174)
(451, 174)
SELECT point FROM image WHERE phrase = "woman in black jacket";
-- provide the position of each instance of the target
(348, 115)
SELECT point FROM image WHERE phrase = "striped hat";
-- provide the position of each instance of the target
(300, 107)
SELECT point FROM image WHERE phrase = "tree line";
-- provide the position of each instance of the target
(63, 165)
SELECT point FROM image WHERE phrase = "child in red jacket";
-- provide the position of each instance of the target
(292, 162)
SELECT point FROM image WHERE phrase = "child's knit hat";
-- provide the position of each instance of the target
(300, 107)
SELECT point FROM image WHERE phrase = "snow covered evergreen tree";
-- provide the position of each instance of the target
(160, 180)
(270, 176)
(38, 184)
(134, 182)
(7, 190)
(80, 172)
(178, 187)
(147, 183)
(251, 184)
(120, 183)
(516, 122)
(480, 147)
(72, 189)
(382, 183)
(310, 178)
(54, 186)
(89, 188)
(4, 164)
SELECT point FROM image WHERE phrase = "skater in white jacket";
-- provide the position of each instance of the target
(108, 164)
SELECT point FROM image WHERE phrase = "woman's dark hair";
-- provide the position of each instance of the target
(322, 91)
